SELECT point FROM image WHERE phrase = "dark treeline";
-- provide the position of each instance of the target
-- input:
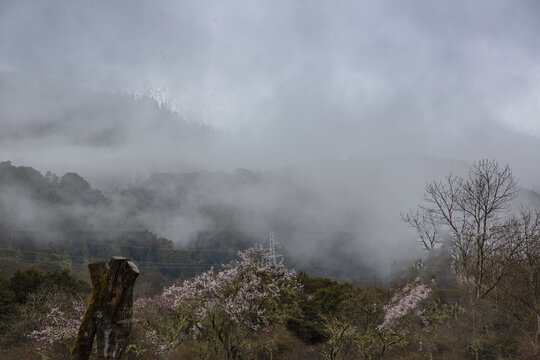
(63, 219)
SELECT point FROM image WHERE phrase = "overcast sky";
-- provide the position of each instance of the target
(332, 79)
(339, 95)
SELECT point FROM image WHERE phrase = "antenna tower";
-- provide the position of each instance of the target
(273, 253)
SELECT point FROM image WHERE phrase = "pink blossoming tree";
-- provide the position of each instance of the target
(221, 308)
(56, 328)
(407, 301)
(379, 329)
(404, 302)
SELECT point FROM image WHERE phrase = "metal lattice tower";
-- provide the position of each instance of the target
(273, 253)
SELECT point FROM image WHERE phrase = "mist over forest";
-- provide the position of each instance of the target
(178, 133)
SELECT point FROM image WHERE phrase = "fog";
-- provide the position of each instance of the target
(341, 109)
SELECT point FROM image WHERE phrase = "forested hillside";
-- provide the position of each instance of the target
(55, 223)
(216, 296)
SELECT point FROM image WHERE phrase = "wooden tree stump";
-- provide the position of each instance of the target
(108, 316)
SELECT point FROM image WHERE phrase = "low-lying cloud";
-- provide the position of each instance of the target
(329, 103)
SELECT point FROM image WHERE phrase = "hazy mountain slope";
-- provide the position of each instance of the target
(343, 221)
(43, 108)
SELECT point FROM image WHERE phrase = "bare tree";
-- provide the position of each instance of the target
(521, 285)
(470, 212)
(426, 227)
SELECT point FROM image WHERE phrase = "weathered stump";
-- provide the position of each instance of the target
(108, 316)
(87, 329)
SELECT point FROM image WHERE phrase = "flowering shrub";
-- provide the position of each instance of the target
(58, 328)
(404, 301)
(247, 294)
(364, 329)
(247, 290)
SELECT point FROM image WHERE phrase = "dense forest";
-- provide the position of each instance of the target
(473, 295)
